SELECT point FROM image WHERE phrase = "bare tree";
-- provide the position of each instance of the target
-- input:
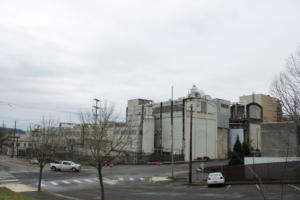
(105, 139)
(286, 87)
(45, 142)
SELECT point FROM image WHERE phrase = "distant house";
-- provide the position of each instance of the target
(19, 143)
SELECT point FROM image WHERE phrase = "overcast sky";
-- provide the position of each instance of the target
(57, 55)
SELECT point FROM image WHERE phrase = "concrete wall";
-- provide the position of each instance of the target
(177, 132)
(204, 130)
(222, 144)
(279, 139)
(255, 136)
(260, 160)
(223, 107)
(148, 136)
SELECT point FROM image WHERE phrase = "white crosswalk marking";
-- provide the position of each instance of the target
(53, 183)
(76, 181)
(5, 177)
(121, 179)
(8, 179)
(66, 182)
(131, 179)
(257, 186)
(227, 188)
(293, 186)
(88, 180)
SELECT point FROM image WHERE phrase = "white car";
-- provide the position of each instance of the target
(215, 178)
(65, 165)
(34, 161)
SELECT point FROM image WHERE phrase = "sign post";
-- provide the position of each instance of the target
(111, 165)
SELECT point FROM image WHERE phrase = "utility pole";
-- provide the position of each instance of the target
(96, 108)
(13, 141)
(172, 141)
(191, 139)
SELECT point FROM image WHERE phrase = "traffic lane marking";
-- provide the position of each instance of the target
(257, 186)
(9, 180)
(88, 180)
(294, 186)
(227, 188)
(53, 183)
(66, 182)
(76, 181)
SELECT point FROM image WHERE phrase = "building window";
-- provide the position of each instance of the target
(224, 105)
(24, 144)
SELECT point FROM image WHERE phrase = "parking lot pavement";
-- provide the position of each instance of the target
(172, 190)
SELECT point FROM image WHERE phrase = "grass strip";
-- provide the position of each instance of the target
(6, 194)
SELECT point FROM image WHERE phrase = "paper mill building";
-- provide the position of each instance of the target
(210, 125)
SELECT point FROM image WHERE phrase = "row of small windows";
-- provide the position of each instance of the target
(24, 144)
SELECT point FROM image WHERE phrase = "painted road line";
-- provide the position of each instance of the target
(227, 188)
(142, 179)
(121, 179)
(9, 180)
(66, 182)
(76, 181)
(53, 183)
(257, 186)
(294, 186)
(159, 179)
(88, 180)
(96, 179)
(65, 197)
(6, 177)
(131, 179)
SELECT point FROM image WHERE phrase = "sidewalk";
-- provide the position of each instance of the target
(44, 196)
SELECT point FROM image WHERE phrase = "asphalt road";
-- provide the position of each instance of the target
(132, 182)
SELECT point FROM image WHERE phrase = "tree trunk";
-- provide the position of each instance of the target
(99, 167)
(40, 177)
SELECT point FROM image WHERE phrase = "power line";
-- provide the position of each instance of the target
(14, 105)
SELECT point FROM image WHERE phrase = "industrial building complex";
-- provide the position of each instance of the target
(207, 126)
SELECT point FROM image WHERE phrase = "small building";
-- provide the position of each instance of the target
(19, 143)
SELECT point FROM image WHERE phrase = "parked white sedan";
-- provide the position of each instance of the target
(215, 178)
